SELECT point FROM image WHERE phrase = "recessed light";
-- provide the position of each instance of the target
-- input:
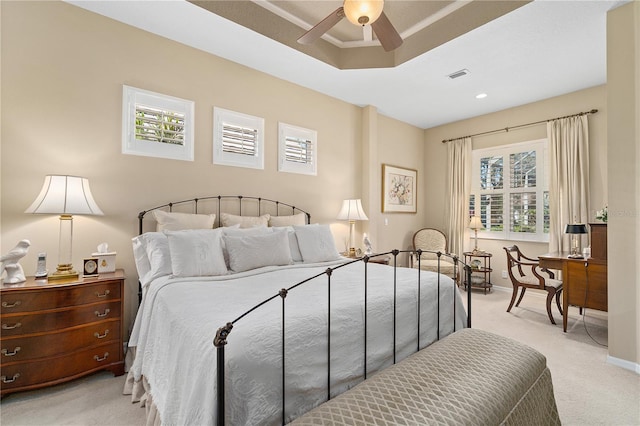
(481, 96)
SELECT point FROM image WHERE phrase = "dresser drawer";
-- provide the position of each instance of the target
(59, 297)
(26, 323)
(35, 346)
(59, 369)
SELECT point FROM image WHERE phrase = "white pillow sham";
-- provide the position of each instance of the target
(296, 219)
(293, 242)
(158, 254)
(316, 243)
(244, 221)
(140, 257)
(196, 252)
(256, 251)
(172, 221)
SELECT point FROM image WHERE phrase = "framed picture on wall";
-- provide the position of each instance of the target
(399, 189)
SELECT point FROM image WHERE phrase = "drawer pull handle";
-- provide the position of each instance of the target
(11, 305)
(11, 327)
(13, 379)
(101, 336)
(105, 294)
(7, 353)
(99, 359)
(106, 312)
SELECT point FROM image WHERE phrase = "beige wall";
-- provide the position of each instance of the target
(62, 74)
(623, 84)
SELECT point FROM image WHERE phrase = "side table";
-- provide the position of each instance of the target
(480, 269)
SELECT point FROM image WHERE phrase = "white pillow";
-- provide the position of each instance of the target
(251, 252)
(293, 242)
(170, 221)
(196, 252)
(159, 256)
(316, 243)
(140, 256)
(244, 221)
(296, 219)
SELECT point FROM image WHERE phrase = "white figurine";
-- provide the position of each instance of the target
(9, 262)
(368, 249)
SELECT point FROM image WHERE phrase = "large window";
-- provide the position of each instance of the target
(510, 191)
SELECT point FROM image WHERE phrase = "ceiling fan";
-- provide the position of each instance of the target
(358, 12)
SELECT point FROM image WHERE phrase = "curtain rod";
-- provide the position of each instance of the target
(506, 129)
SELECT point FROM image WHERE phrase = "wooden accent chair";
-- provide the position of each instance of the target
(434, 240)
(519, 279)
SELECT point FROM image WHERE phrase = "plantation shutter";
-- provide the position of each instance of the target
(239, 140)
(159, 125)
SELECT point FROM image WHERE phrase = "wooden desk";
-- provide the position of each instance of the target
(584, 281)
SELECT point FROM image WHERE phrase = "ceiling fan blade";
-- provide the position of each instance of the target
(322, 27)
(386, 33)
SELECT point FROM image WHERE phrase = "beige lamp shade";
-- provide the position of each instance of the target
(352, 210)
(476, 223)
(65, 195)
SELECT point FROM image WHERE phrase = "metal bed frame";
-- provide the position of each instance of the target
(222, 334)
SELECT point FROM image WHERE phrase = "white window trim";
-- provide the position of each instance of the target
(221, 116)
(542, 185)
(131, 97)
(290, 131)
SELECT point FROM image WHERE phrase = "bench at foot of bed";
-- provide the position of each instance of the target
(470, 377)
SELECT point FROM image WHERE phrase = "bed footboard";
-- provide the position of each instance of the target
(223, 333)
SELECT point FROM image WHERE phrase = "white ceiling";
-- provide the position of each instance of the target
(543, 49)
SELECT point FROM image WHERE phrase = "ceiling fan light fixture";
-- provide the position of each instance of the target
(363, 12)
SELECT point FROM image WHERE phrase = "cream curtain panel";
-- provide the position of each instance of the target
(458, 191)
(569, 180)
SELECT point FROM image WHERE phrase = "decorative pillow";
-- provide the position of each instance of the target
(293, 242)
(196, 252)
(244, 221)
(251, 252)
(296, 219)
(316, 243)
(170, 221)
(159, 256)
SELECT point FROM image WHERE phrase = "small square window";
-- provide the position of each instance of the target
(238, 139)
(156, 125)
(297, 150)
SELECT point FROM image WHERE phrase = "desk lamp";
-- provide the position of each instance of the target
(66, 196)
(352, 211)
(575, 230)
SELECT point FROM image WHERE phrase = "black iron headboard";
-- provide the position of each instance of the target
(234, 203)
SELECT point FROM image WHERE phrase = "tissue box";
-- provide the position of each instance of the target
(106, 262)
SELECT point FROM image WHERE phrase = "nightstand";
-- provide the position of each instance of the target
(481, 272)
(53, 332)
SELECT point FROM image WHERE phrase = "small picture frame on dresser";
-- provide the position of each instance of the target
(90, 267)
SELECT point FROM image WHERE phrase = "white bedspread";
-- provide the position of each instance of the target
(178, 319)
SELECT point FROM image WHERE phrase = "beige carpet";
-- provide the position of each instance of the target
(588, 390)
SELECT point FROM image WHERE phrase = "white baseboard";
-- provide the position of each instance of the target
(623, 363)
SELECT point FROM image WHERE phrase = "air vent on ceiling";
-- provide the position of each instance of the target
(458, 74)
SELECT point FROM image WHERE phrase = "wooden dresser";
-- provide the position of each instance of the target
(55, 332)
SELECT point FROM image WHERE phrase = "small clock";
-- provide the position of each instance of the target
(90, 267)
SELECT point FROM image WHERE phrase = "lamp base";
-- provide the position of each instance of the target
(352, 252)
(64, 273)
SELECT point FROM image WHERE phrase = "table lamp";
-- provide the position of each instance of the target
(66, 196)
(476, 224)
(575, 230)
(352, 211)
